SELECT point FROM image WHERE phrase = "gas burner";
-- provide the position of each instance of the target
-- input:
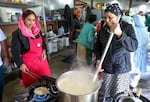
(28, 95)
(41, 98)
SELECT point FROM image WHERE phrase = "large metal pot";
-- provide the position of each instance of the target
(74, 87)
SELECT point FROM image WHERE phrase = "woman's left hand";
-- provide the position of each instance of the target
(43, 55)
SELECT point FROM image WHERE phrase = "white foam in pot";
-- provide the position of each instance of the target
(77, 83)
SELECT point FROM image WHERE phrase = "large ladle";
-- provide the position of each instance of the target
(104, 53)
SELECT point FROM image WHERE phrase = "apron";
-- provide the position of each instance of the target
(32, 59)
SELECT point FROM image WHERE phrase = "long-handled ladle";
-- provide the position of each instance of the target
(104, 53)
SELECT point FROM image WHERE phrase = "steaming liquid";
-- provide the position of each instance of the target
(78, 84)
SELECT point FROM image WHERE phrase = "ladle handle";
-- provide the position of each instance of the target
(103, 55)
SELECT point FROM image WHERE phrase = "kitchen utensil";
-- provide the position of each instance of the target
(33, 75)
(78, 86)
(28, 95)
(41, 90)
(129, 99)
(103, 55)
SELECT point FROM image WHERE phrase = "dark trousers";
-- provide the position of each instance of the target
(1, 84)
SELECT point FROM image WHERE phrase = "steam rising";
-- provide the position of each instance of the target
(79, 81)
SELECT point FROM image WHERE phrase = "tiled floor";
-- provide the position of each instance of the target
(57, 68)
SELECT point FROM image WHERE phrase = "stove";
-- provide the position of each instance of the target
(41, 98)
(53, 95)
(28, 94)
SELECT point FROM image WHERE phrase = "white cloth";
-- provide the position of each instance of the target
(134, 73)
(2, 37)
(140, 55)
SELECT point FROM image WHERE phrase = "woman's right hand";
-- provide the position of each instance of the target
(24, 68)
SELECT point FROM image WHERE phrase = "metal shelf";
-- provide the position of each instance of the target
(11, 23)
(8, 23)
(17, 5)
(60, 35)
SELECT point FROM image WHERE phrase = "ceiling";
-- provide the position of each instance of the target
(134, 2)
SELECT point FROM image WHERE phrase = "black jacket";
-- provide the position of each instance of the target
(117, 59)
(20, 45)
(77, 24)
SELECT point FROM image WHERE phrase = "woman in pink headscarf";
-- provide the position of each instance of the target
(29, 49)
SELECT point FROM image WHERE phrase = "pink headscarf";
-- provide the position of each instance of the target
(35, 29)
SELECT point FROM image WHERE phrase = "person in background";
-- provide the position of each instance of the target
(77, 24)
(148, 22)
(86, 41)
(29, 49)
(141, 13)
(143, 16)
(88, 12)
(68, 15)
(4, 60)
(140, 55)
(126, 17)
(135, 72)
(116, 64)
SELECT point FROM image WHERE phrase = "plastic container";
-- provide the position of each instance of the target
(54, 46)
(66, 41)
(60, 43)
(50, 47)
